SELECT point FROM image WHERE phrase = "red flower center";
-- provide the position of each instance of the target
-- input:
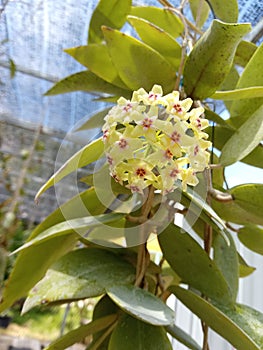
(141, 172)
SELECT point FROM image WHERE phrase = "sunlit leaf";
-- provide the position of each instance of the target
(182, 337)
(131, 333)
(141, 304)
(244, 52)
(95, 121)
(229, 83)
(244, 140)
(238, 94)
(96, 58)
(109, 13)
(80, 274)
(200, 11)
(193, 265)
(85, 81)
(138, 64)
(252, 75)
(88, 154)
(211, 58)
(226, 10)
(214, 117)
(229, 323)
(158, 39)
(80, 333)
(252, 237)
(163, 18)
(244, 269)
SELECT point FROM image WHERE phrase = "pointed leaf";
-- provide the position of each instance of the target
(211, 58)
(88, 154)
(244, 269)
(238, 94)
(80, 274)
(226, 10)
(93, 122)
(200, 11)
(252, 237)
(214, 117)
(85, 81)
(252, 75)
(182, 337)
(109, 13)
(141, 304)
(250, 198)
(163, 18)
(138, 64)
(96, 58)
(244, 140)
(228, 324)
(244, 52)
(78, 334)
(158, 39)
(132, 333)
(193, 265)
(226, 259)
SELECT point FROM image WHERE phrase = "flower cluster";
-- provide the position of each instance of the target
(155, 140)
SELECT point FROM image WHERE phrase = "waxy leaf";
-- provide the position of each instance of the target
(80, 274)
(109, 13)
(229, 83)
(131, 333)
(252, 75)
(244, 52)
(85, 81)
(226, 259)
(141, 304)
(88, 154)
(200, 11)
(250, 198)
(244, 140)
(244, 269)
(211, 58)
(182, 337)
(226, 10)
(252, 237)
(193, 265)
(95, 121)
(214, 117)
(158, 39)
(80, 333)
(138, 64)
(228, 322)
(239, 94)
(163, 18)
(96, 58)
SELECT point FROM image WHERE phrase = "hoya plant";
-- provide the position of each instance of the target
(157, 218)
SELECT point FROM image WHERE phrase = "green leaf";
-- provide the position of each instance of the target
(85, 81)
(109, 13)
(141, 304)
(193, 265)
(12, 67)
(211, 58)
(252, 75)
(229, 83)
(250, 198)
(244, 269)
(88, 154)
(96, 58)
(252, 237)
(226, 259)
(78, 226)
(229, 324)
(200, 11)
(158, 39)
(78, 334)
(95, 121)
(80, 274)
(244, 52)
(132, 333)
(226, 10)
(214, 117)
(163, 18)
(238, 94)
(244, 140)
(182, 337)
(138, 64)
(222, 134)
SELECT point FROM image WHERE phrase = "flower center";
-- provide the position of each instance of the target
(147, 123)
(168, 154)
(122, 143)
(127, 107)
(174, 172)
(141, 172)
(196, 150)
(178, 108)
(175, 137)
